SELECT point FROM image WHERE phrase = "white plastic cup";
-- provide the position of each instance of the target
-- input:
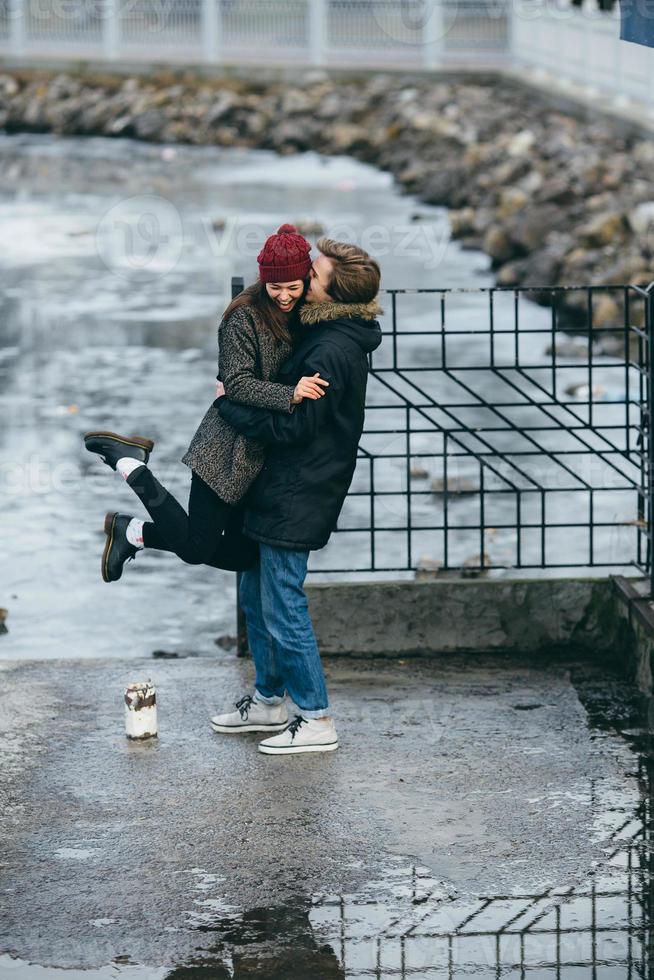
(141, 710)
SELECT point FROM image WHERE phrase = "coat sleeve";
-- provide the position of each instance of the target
(309, 416)
(238, 356)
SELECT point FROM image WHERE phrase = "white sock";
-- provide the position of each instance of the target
(127, 464)
(134, 532)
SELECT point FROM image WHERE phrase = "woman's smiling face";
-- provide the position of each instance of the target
(285, 294)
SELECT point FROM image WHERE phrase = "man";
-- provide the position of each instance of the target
(293, 505)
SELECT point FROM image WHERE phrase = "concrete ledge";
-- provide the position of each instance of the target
(635, 615)
(387, 619)
(604, 620)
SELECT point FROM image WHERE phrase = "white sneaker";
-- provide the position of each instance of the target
(302, 735)
(252, 716)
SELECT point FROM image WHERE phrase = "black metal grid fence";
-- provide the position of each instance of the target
(505, 428)
(495, 439)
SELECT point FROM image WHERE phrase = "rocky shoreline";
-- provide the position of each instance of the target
(552, 199)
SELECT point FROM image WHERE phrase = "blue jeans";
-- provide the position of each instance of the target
(280, 632)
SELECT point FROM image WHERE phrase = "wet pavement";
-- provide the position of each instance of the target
(485, 817)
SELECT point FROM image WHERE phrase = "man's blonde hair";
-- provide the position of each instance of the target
(355, 276)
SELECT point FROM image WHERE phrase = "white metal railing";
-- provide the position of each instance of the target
(366, 33)
(581, 46)
(578, 46)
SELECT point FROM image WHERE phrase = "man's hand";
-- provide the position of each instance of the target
(309, 387)
(220, 389)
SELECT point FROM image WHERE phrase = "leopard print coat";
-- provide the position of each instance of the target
(249, 357)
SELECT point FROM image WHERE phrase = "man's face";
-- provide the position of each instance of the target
(319, 276)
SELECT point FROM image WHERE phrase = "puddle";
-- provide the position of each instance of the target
(75, 853)
(12, 969)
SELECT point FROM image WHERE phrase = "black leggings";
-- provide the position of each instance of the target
(210, 534)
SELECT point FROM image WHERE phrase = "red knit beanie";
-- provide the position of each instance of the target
(285, 256)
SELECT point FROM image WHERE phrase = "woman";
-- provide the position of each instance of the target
(254, 339)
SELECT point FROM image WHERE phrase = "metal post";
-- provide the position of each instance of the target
(649, 313)
(317, 14)
(111, 29)
(210, 30)
(433, 30)
(238, 286)
(18, 10)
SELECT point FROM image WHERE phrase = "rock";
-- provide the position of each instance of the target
(470, 567)
(309, 227)
(568, 347)
(443, 187)
(604, 229)
(643, 153)
(521, 143)
(508, 172)
(497, 243)
(294, 100)
(121, 126)
(532, 182)
(511, 200)
(221, 108)
(462, 222)
(580, 391)
(419, 473)
(148, 125)
(511, 273)
(579, 258)
(8, 86)
(610, 345)
(226, 642)
(642, 277)
(290, 134)
(559, 190)
(344, 137)
(3, 617)
(606, 312)
(455, 485)
(428, 567)
(529, 229)
(641, 219)
(542, 268)
(476, 155)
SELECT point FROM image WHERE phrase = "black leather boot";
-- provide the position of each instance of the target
(117, 549)
(111, 447)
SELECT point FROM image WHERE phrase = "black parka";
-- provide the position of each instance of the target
(311, 453)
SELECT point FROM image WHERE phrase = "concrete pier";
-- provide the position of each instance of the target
(461, 783)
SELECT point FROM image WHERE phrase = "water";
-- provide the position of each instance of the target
(116, 260)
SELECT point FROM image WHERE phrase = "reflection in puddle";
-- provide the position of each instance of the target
(599, 928)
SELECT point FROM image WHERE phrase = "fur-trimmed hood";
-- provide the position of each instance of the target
(312, 313)
(356, 321)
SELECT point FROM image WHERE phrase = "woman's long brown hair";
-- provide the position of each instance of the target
(280, 324)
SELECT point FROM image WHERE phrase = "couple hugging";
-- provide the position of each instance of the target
(271, 462)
